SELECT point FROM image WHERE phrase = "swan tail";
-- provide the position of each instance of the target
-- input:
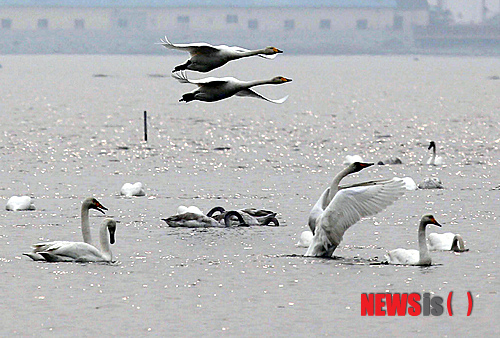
(34, 256)
(50, 257)
(181, 76)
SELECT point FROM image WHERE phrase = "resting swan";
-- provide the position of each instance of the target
(250, 216)
(129, 189)
(411, 256)
(447, 241)
(17, 203)
(330, 192)
(346, 208)
(213, 89)
(193, 220)
(181, 209)
(434, 160)
(305, 239)
(63, 251)
(205, 57)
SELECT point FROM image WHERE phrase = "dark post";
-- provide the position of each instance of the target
(146, 126)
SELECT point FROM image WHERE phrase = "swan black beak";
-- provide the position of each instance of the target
(435, 222)
(276, 50)
(112, 236)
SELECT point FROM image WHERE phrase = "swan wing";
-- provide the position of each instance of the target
(205, 82)
(350, 205)
(251, 93)
(403, 256)
(192, 48)
(318, 209)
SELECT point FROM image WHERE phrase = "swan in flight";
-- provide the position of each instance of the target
(346, 208)
(330, 192)
(212, 89)
(64, 251)
(434, 160)
(194, 220)
(447, 241)
(205, 57)
(17, 203)
(87, 204)
(412, 256)
(250, 216)
(129, 189)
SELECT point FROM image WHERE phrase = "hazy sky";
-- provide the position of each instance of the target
(469, 11)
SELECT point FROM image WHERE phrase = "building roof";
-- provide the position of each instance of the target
(412, 4)
(203, 3)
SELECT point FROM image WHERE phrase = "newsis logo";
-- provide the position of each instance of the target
(401, 304)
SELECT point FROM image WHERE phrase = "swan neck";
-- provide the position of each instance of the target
(422, 244)
(104, 240)
(87, 237)
(334, 186)
(250, 53)
(258, 83)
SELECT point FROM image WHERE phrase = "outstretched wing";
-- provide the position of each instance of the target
(350, 205)
(192, 48)
(206, 82)
(251, 93)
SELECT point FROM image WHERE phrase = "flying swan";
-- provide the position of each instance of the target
(205, 57)
(347, 207)
(64, 251)
(412, 256)
(212, 89)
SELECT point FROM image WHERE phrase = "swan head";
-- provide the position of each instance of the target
(271, 50)
(280, 79)
(230, 214)
(92, 203)
(358, 166)
(111, 225)
(432, 145)
(429, 219)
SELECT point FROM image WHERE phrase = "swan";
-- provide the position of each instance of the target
(64, 251)
(305, 239)
(409, 183)
(330, 192)
(192, 220)
(390, 160)
(181, 209)
(414, 257)
(250, 216)
(350, 159)
(212, 89)
(87, 204)
(17, 203)
(205, 57)
(434, 160)
(431, 183)
(129, 189)
(346, 208)
(447, 241)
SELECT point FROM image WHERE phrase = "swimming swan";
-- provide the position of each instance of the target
(447, 241)
(18, 203)
(412, 256)
(346, 208)
(330, 192)
(434, 160)
(129, 189)
(64, 251)
(205, 57)
(212, 89)
(193, 220)
(250, 216)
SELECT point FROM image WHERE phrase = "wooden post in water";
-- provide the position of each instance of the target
(145, 126)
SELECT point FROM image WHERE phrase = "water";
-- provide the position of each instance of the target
(72, 127)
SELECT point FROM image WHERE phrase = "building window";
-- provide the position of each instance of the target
(362, 24)
(42, 24)
(398, 23)
(325, 24)
(289, 24)
(122, 23)
(183, 19)
(79, 24)
(231, 18)
(6, 23)
(253, 24)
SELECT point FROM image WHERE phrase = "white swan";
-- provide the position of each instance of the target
(412, 256)
(390, 160)
(434, 160)
(305, 239)
(431, 183)
(192, 220)
(18, 203)
(409, 183)
(213, 89)
(182, 209)
(250, 216)
(129, 189)
(87, 204)
(64, 251)
(346, 208)
(447, 241)
(330, 192)
(350, 159)
(205, 57)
